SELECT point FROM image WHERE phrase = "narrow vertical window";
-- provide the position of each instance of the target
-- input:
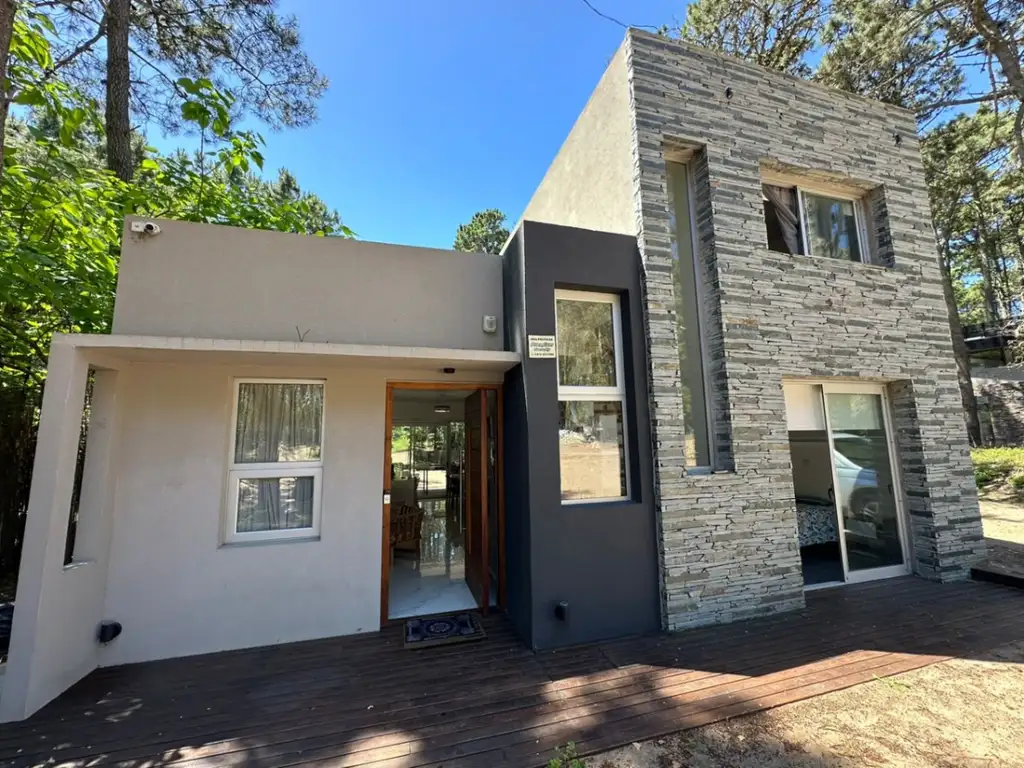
(686, 287)
(591, 397)
(276, 460)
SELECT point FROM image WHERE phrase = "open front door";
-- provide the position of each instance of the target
(477, 571)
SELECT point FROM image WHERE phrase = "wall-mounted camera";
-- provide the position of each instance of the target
(146, 227)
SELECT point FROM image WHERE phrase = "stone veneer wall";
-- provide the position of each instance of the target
(729, 540)
(1001, 410)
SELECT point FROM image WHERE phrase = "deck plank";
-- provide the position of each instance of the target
(367, 701)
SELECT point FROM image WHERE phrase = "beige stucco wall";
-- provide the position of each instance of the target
(172, 584)
(58, 608)
(590, 182)
(210, 281)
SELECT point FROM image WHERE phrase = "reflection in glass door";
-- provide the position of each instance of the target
(864, 484)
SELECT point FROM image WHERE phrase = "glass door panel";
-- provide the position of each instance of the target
(865, 491)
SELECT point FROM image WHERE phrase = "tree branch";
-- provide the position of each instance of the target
(968, 100)
(86, 45)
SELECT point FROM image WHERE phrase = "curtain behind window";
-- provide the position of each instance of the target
(781, 220)
(277, 423)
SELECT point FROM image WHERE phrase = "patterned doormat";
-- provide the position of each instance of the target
(429, 631)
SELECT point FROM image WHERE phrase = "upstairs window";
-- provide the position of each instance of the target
(801, 220)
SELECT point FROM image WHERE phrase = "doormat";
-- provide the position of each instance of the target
(431, 631)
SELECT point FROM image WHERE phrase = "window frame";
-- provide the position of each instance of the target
(863, 246)
(700, 290)
(271, 469)
(571, 393)
(836, 192)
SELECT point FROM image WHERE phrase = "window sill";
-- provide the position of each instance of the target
(706, 474)
(695, 471)
(270, 542)
(829, 260)
(588, 504)
(76, 564)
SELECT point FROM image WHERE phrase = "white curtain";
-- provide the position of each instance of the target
(278, 422)
(783, 201)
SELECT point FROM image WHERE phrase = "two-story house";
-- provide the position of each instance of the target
(711, 370)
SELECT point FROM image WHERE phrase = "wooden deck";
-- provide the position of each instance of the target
(366, 701)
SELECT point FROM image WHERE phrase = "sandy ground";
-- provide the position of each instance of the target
(1004, 533)
(960, 713)
(1002, 520)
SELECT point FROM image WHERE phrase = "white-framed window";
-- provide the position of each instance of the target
(593, 463)
(276, 463)
(815, 220)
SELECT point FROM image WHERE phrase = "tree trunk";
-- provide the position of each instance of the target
(988, 288)
(963, 359)
(1005, 49)
(118, 116)
(7, 10)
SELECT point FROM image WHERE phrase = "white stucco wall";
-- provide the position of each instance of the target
(58, 607)
(172, 584)
(216, 282)
(590, 182)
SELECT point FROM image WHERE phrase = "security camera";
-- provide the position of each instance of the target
(146, 227)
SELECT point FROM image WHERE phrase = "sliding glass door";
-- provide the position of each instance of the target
(865, 485)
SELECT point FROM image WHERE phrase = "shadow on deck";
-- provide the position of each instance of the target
(365, 700)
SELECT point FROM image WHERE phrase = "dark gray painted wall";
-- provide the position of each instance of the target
(516, 436)
(601, 558)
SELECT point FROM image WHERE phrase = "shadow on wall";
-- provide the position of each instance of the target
(366, 699)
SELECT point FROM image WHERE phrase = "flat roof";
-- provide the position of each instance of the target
(115, 348)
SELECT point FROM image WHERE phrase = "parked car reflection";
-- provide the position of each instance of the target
(868, 518)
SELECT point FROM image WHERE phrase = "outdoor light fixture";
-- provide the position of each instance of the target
(442, 409)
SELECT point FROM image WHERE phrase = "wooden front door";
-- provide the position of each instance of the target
(477, 572)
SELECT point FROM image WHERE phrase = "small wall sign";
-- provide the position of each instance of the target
(542, 346)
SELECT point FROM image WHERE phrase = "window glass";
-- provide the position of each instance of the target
(274, 503)
(591, 394)
(586, 343)
(831, 226)
(688, 323)
(592, 455)
(278, 422)
(276, 461)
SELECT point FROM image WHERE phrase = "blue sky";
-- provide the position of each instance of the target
(439, 109)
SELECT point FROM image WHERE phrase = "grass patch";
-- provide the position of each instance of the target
(892, 683)
(999, 469)
(567, 757)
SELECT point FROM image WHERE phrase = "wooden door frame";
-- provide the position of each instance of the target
(385, 561)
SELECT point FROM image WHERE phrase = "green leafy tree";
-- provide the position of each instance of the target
(131, 54)
(988, 35)
(778, 34)
(61, 209)
(890, 50)
(7, 15)
(915, 53)
(484, 233)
